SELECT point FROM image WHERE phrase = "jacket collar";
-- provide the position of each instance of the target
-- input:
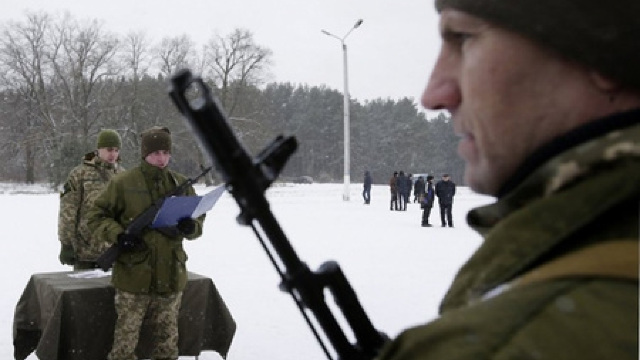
(92, 159)
(153, 171)
(558, 145)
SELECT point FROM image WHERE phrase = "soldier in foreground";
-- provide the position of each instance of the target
(150, 272)
(545, 96)
(83, 185)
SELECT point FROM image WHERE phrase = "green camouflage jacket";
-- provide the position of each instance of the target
(83, 185)
(160, 267)
(588, 194)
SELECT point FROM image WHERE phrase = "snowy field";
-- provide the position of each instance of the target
(399, 270)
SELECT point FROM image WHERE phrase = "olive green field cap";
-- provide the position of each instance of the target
(108, 139)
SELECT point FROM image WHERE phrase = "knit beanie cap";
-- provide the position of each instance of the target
(154, 139)
(598, 34)
(108, 138)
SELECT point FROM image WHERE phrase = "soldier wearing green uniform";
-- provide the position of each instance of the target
(83, 185)
(150, 273)
(545, 97)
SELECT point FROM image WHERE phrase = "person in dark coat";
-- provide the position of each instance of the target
(445, 190)
(366, 191)
(418, 190)
(403, 191)
(393, 187)
(427, 201)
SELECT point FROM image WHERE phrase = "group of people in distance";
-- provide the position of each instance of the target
(401, 185)
(445, 190)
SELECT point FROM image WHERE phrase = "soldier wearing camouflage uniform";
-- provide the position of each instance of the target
(150, 273)
(83, 184)
(545, 96)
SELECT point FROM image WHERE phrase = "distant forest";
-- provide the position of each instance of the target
(63, 80)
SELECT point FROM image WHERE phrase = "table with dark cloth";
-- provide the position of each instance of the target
(68, 318)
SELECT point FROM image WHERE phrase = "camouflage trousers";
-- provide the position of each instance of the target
(162, 311)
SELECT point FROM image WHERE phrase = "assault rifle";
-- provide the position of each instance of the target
(106, 260)
(247, 179)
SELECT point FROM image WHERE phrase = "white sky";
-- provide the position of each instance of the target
(399, 270)
(390, 55)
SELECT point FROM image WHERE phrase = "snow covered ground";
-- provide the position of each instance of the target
(399, 270)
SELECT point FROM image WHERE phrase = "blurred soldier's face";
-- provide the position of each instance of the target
(109, 154)
(159, 158)
(506, 96)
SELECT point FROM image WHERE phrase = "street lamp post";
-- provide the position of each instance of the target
(347, 145)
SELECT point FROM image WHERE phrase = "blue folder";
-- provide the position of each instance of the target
(177, 207)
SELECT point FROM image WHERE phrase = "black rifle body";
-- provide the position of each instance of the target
(142, 221)
(247, 180)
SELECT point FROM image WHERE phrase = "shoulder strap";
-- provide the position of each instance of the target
(613, 259)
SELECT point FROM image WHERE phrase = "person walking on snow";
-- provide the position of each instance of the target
(366, 191)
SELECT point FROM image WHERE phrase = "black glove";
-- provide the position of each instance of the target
(67, 255)
(186, 226)
(128, 242)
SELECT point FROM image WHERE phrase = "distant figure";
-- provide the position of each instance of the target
(403, 194)
(366, 191)
(426, 203)
(445, 190)
(418, 190)
(83, 185)
(409, 186)
(393, 187)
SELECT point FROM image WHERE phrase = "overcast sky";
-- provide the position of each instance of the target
(390, 54)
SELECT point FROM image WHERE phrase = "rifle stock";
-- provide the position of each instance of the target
(106, 260)
(247, 179)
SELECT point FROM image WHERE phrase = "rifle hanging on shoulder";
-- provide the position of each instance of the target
(247, 179)
(106, 260)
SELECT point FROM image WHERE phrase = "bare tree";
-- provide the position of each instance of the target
(26, 69)
(233, 63)
(84, 61)
(62, 80)
(137, 60)
(175, 53)
(136, 55)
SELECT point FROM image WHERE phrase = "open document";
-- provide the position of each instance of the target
(177, 207)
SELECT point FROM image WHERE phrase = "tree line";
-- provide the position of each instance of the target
(62, 80)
